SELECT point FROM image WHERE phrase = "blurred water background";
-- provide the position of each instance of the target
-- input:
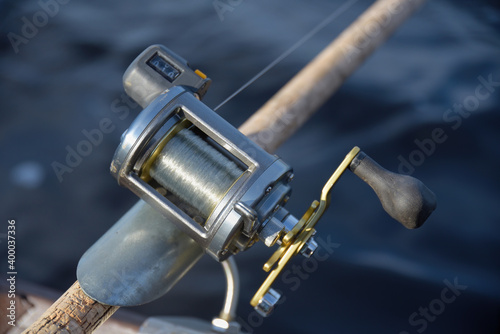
(67, 76)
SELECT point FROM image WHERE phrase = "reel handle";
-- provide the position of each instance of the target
(403, 197)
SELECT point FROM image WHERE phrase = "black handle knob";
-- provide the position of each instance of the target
(403, 197)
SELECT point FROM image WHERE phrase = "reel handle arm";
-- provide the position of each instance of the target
(404, 198)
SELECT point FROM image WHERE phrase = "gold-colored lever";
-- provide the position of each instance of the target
(294, 241)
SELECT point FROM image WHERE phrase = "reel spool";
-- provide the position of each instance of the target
(220, 188)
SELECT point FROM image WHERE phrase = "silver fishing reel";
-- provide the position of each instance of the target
(179, 156)
(215, 185)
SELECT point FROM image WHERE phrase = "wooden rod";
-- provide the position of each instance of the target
(74, 312)
(297, 101)
(269, 127)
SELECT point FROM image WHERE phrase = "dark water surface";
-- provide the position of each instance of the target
(66, 78)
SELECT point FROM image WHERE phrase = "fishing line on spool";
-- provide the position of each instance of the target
(194, 171)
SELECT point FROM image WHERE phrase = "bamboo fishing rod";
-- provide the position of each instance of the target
(269, 127)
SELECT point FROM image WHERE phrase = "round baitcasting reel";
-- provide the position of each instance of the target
(179, 156)
(216, 185)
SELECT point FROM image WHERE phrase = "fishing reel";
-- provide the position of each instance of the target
(179, 156)
(217, 186)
